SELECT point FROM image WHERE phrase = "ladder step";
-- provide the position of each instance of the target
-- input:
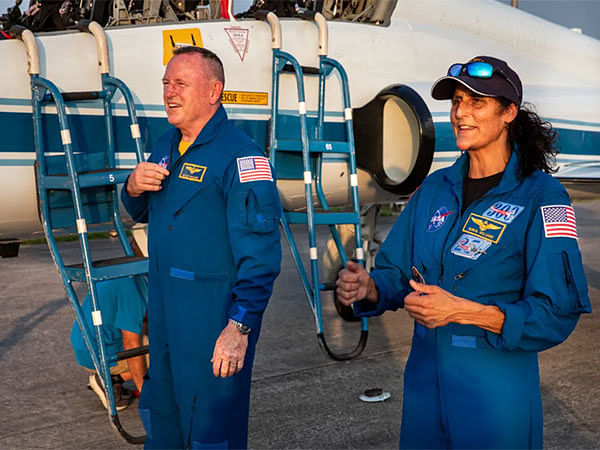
(295, 145)
(103, 177)
(323, 218)
(108, 269)
(306, 70)
(76, 96)
(131, 353)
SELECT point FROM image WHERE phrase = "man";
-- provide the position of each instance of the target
(213, 212)
(123, 308)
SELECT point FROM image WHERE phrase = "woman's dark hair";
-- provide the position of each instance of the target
(534, 138)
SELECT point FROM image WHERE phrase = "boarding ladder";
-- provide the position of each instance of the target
(77, 189)
(312, 151)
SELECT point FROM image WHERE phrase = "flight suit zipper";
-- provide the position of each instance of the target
(458, 277)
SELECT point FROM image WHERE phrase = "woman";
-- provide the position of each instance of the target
(485, 259)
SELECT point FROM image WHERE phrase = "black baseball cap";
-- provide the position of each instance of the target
(504, 82)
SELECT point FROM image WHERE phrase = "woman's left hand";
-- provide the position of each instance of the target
(430, 305)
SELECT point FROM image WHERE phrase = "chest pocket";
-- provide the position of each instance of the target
(262, 208)
(189, 191)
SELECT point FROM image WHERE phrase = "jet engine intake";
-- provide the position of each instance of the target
(395, 139)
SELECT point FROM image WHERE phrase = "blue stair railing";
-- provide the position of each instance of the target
(77, 189)
(312, 151)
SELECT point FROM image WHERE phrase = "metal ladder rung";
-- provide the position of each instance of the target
(306, 70)
(323, 218)
(131, 353)
(76, 96)
(295, 145)
(104, 177)
(109, 269)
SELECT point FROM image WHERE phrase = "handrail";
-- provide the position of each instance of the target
(273, 21)
(321, 22)
(97, 31)
(33, 52)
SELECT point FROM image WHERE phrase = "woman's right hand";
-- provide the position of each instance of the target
(354, 284)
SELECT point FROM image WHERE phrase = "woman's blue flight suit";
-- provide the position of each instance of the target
(214, 249)
(465, 387)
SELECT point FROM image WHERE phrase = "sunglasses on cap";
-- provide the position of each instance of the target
(478, 69)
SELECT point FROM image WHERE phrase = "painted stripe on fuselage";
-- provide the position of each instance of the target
(570, 141)
(577, 144)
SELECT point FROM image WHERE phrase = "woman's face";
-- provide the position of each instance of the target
(479, 123)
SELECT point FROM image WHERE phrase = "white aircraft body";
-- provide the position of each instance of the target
(391, 61)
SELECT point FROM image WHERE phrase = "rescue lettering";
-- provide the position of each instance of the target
(229, 97)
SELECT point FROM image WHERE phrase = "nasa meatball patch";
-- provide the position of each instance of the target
(438, 219)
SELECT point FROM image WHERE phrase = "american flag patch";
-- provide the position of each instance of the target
(559, 221)
(254, 168)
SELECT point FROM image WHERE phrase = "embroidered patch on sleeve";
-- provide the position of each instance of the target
(254, 168)
(559, 221)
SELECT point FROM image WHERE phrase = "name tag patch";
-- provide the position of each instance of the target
(488, 229)
(192, 172)
(504, 212)
(471, 247)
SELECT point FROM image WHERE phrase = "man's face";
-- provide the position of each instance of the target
(189, 93)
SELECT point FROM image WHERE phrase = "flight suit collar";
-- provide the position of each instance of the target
(459, 170)
(185, 190)
(208, 132)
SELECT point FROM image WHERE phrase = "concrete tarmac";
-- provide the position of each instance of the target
(300, 399)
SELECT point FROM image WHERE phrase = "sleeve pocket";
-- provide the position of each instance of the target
(568, 282)
(263, 210)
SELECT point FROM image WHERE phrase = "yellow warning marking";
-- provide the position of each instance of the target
(181, 37)
(244, 98)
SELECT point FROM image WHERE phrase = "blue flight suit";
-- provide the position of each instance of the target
(214, 248)
(465, 387)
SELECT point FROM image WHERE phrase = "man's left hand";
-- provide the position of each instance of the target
(230, 350)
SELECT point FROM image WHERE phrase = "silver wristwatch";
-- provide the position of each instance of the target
(243, 329)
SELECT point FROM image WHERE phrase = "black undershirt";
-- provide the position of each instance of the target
(475, 188)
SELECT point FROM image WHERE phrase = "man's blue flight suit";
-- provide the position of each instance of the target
(214, 249)
(465, 387)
